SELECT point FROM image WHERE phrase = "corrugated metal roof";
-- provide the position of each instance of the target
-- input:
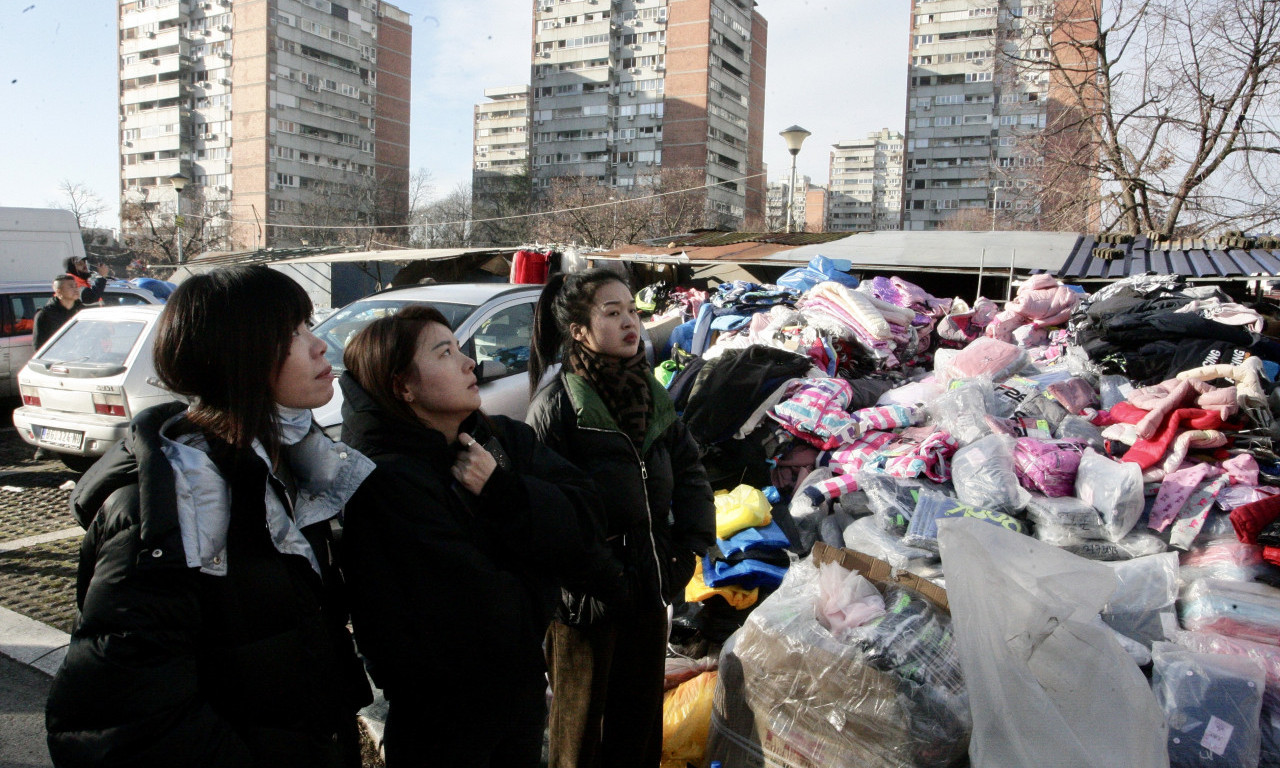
(1198, 259)
(715, 238)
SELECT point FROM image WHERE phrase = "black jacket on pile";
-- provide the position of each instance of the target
(661, 513)
(50, 318)
(169, 666)
(452, 593)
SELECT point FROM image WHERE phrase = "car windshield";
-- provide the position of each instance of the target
(342, 326)
(99, 342)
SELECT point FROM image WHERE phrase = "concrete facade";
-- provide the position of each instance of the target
(622, 90)
(977, 100)
(273, 108)
(866, 184)
(501, 137)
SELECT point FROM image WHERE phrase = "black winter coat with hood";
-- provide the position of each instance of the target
(661, 511)
(169, 666)
(452, 592)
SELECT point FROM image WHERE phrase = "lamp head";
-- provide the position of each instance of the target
(179, 181)
(794, 136)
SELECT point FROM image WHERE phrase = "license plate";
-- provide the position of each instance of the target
(63, 438)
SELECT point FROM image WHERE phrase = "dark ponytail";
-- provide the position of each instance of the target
(566, 299)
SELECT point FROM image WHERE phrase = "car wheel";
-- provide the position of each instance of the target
(77, 464)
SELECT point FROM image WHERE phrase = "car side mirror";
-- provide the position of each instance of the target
(490, 370)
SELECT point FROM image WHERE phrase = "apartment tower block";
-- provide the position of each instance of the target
(866, 184)
(624, 89)
(274, 109)
(977, 103)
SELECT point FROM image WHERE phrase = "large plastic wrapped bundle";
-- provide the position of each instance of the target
(792, 694)
(1048, 683)
(984, 476)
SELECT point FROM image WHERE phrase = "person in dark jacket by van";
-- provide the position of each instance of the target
(453, 548)
(606, 413)
(59, 309)
(91, 286)
(212, 627)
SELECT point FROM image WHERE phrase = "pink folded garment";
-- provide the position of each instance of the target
(987, 357)
(1074, 394)
(1048, 466)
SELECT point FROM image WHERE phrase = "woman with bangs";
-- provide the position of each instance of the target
(454, 548)
(211, 628)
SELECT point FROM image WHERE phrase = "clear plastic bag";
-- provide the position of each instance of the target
(1078, 519)
(933, 507)
(1079, 428)
(1136, 544)
(1142, 606)
(1212, 704)
(1047, 684)
(962, 410)
(984, 476)
(892, 499)
(867, 537)
(1248, 610)
(846, 600)
(1225, 559)
(1114, 488)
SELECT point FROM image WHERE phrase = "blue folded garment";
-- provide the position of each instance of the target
(744, 573)
(762, 537)
(729, 322)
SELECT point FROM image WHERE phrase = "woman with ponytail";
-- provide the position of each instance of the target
(605, 412)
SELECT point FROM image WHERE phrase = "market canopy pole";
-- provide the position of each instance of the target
(1008, 289)
(982, 260)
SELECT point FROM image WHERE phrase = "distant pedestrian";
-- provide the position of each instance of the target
(211, 627)
(606, 413)
(57, 311)
(453, 549)
(91, 285)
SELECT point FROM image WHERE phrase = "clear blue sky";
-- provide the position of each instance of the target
(836, 67)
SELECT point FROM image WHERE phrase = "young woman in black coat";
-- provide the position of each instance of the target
(453, 549)
(212, 629)
(605, 412)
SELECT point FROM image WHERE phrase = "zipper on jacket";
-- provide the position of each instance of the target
(644, 475)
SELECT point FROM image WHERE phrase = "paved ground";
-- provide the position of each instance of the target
(22, 694)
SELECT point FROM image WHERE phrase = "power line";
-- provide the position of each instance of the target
(627, 201)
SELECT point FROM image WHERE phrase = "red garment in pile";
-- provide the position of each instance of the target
(530, 267)
(1146, 453)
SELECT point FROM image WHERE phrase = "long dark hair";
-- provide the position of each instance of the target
(381, 355)
(565, 300)
(221, 340)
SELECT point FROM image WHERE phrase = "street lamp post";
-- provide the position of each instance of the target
(179, 182)
(794, 136)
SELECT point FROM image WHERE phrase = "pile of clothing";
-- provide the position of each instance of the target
(1127, 435)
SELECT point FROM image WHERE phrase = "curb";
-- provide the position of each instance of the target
(32, 642)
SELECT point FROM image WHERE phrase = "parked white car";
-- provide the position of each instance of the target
(19, 303)
(81, 389)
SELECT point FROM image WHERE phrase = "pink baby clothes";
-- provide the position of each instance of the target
(1242, 469)
(1174, 492)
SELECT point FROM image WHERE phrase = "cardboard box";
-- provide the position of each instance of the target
(878, 571)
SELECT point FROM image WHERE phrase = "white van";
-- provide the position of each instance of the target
(82, 389)
(35, 243)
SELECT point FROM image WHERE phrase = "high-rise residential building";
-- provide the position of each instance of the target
(278, 111)
(977, 103)
(625, 89)
(866, 184)
(808, 206)
(500, 182)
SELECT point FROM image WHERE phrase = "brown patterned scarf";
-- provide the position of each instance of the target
(623, 385)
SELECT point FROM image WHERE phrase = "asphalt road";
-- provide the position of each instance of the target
(23, 691)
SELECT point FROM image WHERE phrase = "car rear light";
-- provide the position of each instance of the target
(30, 395)
(108, 405)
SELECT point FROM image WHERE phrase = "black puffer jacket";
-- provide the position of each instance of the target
(169, 666)
(451, 592)
(661, 513)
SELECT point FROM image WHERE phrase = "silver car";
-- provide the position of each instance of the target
(492, 321)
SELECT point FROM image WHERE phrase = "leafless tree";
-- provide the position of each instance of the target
(500, 204)
(580, 210)
(444, 222)
(1172, 106)
(82, 201)
(152, 229)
